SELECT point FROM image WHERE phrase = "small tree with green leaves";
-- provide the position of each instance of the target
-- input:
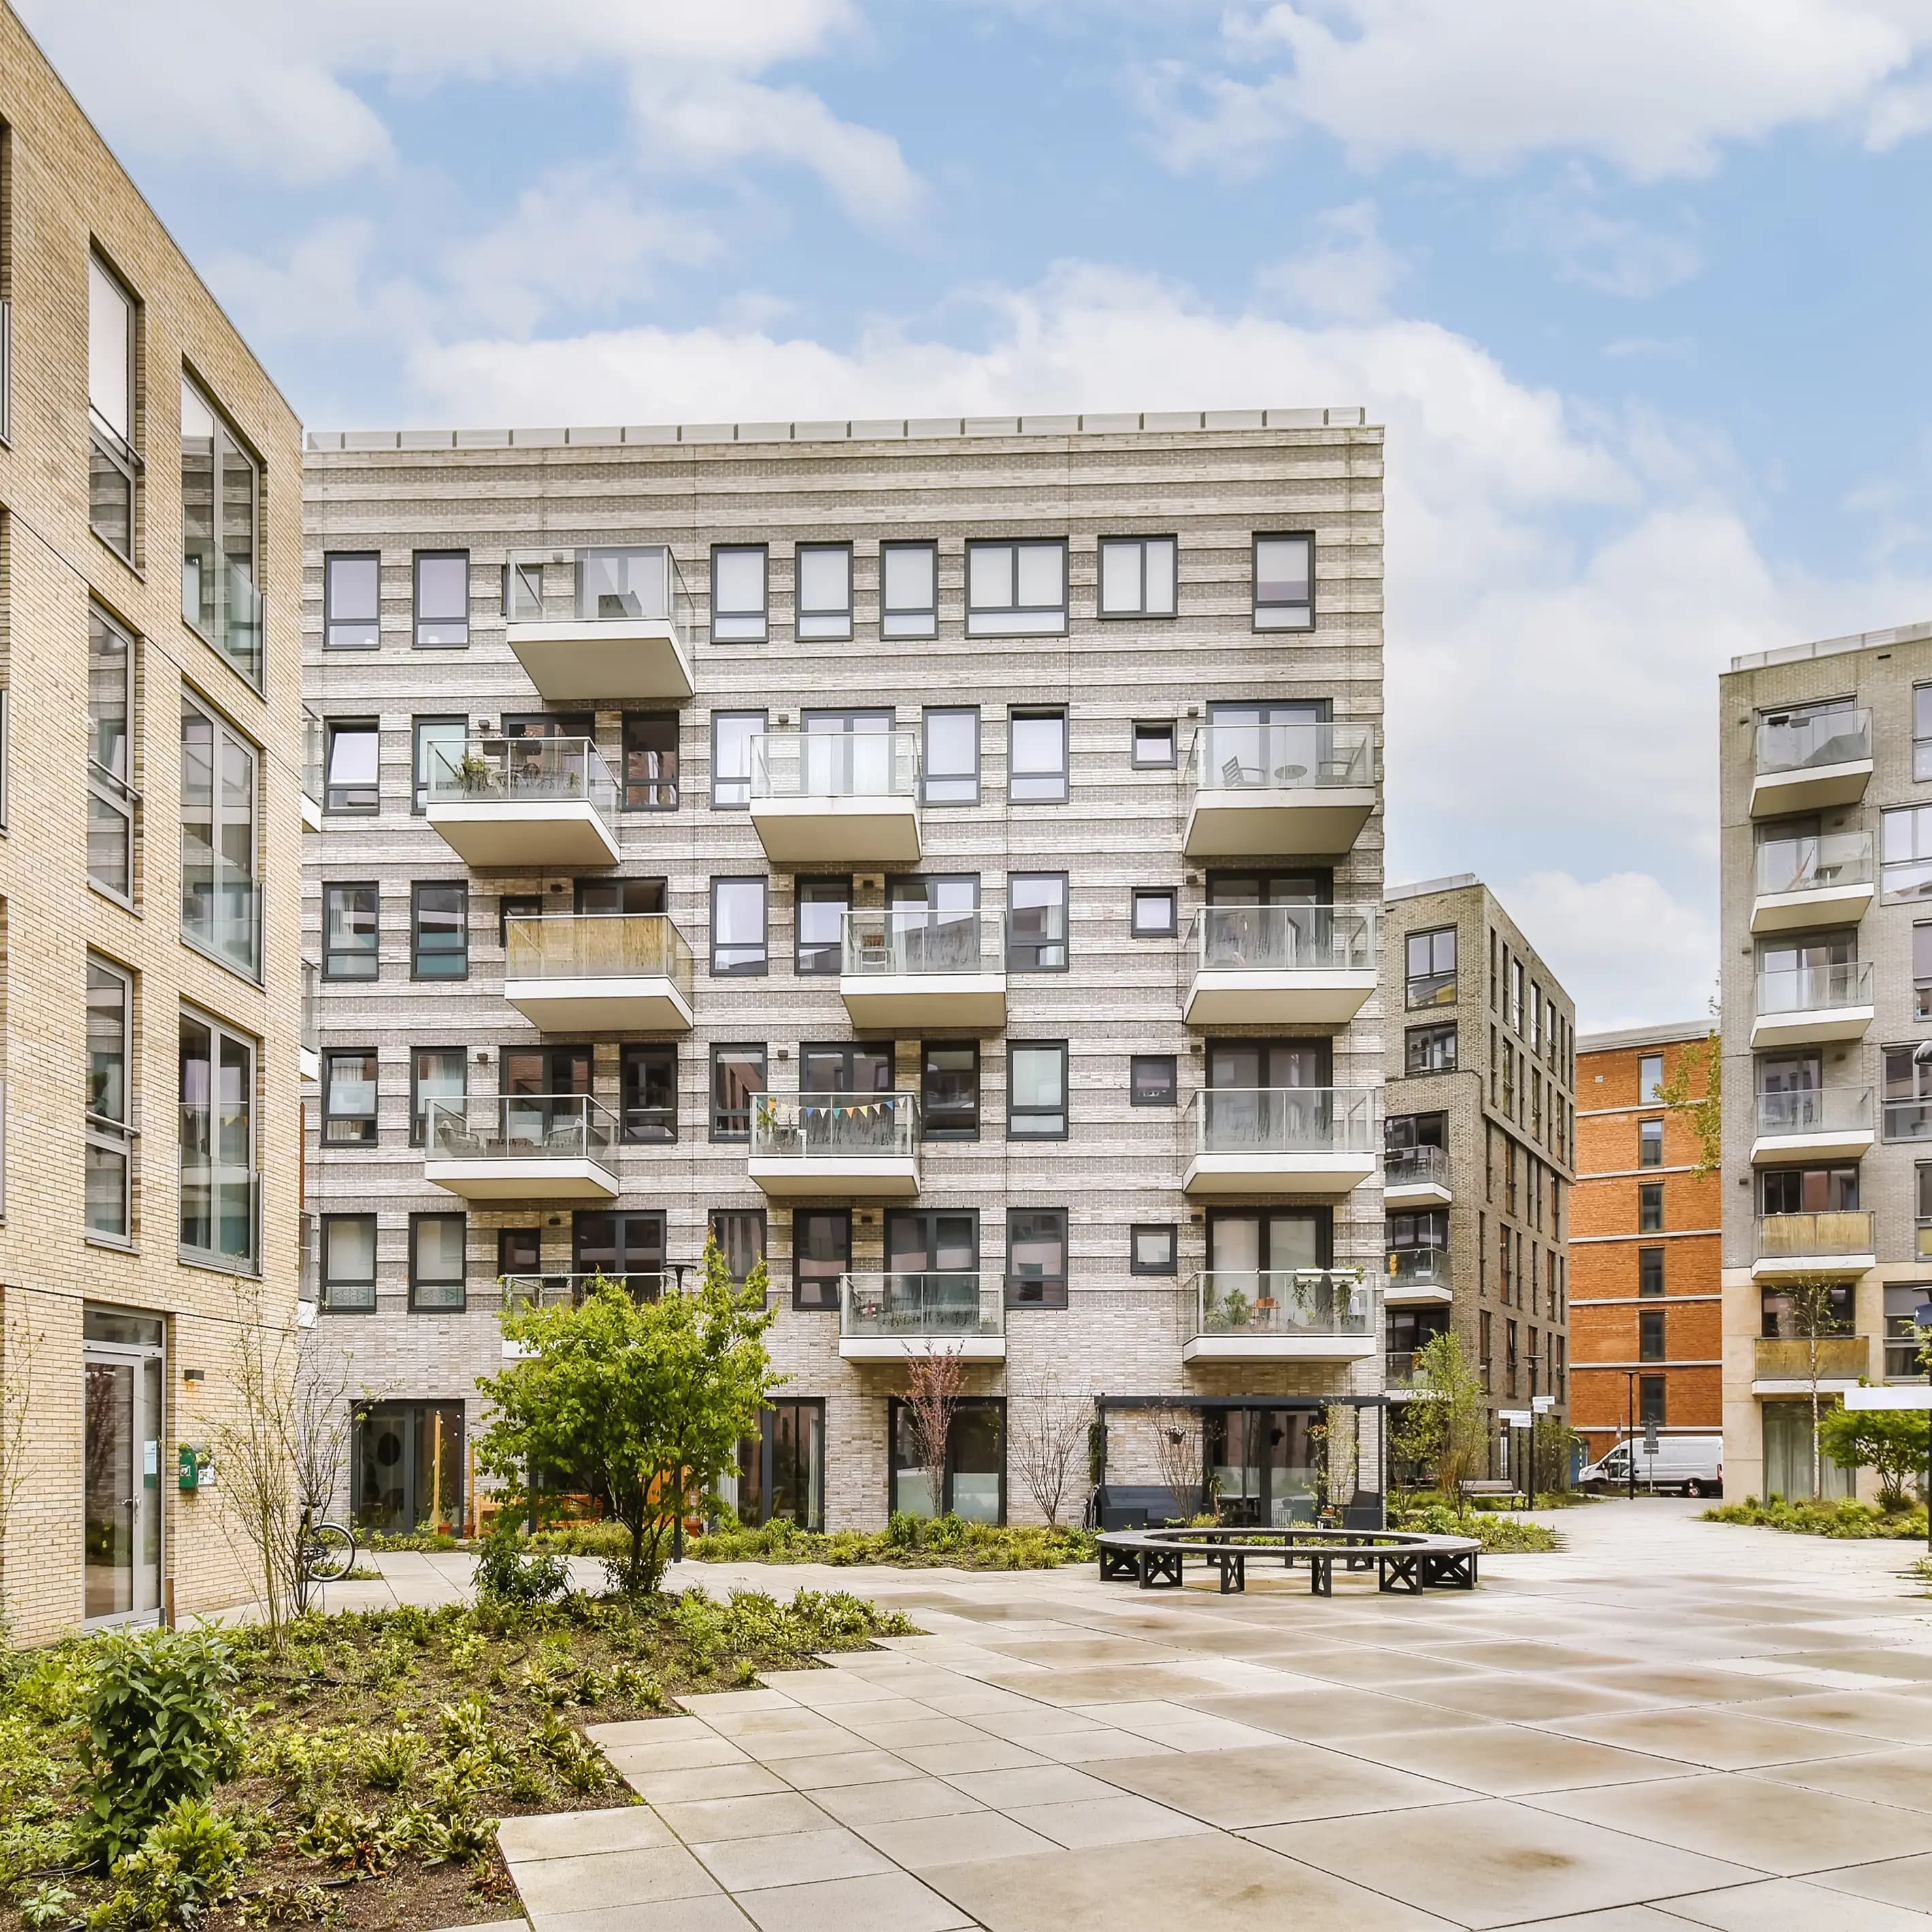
(1892, 1443)
(1694, 1093)
(643, 1404)
(1813, 1312)
(1445, 1425)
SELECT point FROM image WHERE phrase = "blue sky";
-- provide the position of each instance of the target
(1637, 287)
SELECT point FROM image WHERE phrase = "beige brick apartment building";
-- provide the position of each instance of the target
(1481, 1131)
(150, 868)
(944, 856)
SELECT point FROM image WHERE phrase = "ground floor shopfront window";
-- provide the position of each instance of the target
(1787, 1455)
(406, 1463)
(780, 1471)
(975, 1479)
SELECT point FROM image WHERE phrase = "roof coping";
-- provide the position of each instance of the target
(1454, 883)
(1663, 1033)
(1830, 647)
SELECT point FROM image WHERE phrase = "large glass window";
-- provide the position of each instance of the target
(350, 781)
(951, 763)
(949, 1089)
(1036, 758)
(1036, 1257)
(740, 1233)
(436, 1274)
(1649, 1207)
(1284, 582)
(1037, 1090)
(973, 1483)
(1650, 1271)
(1908, 1092)
(1016, 590)
(349, 1098)
(438, 749)
(820, 906)
(108, 1210)
(909, 590)
(821, 1252)
(350, 937)
(824, 593)
(1036, 920)
(348, 1262)
(111, 799)
(738, 932)
(627, 1248)
(738, 593)
(110, 409)
(442, 598)
(731, 735)
(650, 761)
(1650, 1144)
(1431, 967)
(737, 1072)
(849, 1066)
(220, 901)
(781, 1473)
(219, 497)
(1650, 1076)
(220, 1209)
(351, 607)
(1137, 576)
(1906, 853)
(1153, 1080)
(439, 929)
(648, 1079)
(435, 1073)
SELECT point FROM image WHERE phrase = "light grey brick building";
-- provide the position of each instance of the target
(1481, 1132)
(945, 856)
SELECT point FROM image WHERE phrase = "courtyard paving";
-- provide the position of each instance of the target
(1668, 1723)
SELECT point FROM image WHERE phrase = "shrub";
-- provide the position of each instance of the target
(504, 1574)
(189, 1860)
(1846, 1519)
(159, 1728)
(389, 1758)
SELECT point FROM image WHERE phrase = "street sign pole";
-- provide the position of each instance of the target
(1921, 1320)
(1630, 1432)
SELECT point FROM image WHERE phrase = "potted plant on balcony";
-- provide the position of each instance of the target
(474, 774)
(1234, 1310)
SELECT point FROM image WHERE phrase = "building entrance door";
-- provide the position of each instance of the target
(408, 1465)
(122, 1439)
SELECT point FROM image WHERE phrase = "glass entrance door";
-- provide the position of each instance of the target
(407, 1461)
(122, 1484)
(1263, 1464)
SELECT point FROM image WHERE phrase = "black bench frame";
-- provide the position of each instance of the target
(1407, 1562)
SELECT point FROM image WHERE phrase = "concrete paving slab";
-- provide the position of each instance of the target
(1332, 1714)
(709, 1820)
(1121, 1820)
(923, 1845)
(1524, 1699)
(566, 1834)
(916, 1797)
(881, 1902)
(713, 1911)
(1902, 1882)
(1721, 1739)
(794, 1858)
(743, 1780)
(1894, 1715)
(609, 1879)
(1903, 1777)
(859, 1767)
(1042, 1784)
(709, 1749)
(948, 1760)
(1506, 1760)
(1097, 1747)
(1277, 1784)
(1789, 1905)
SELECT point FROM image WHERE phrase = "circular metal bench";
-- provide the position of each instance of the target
(1404, 1559)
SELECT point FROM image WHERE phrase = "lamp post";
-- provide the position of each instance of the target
(1921, 1320)
(1629, 1433)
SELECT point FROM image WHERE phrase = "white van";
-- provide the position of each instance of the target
(1692, 1466)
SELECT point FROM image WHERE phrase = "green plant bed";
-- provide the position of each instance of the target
(1845, 1519)
(351, 1779)
(1497, 1534)
(910, 1543)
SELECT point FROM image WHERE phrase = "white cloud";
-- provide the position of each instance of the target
(1610, 253)
(1348, 277)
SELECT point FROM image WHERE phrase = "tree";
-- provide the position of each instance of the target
(1892, 1443)
(1049, 1438)
(1177, 1453)
(20, 1348)
(1700, 1065)
(1552, 1443)
(643, 1404)
(934, 1382)
(1445, 1424)
(1814, 1312)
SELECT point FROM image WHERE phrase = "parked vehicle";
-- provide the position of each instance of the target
(1691, 1465)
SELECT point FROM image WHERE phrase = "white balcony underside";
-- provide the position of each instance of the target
(1278, 1348)
(1416, 1194)
(851, 831)
(911, 1000)
(1260, 824)
(1223, 997)
(648, 1003)
(571, 660)
(309, 1062)
(910, 1348)
(1774, 1266)
(1413, 1294)
(311, 814)
(1787, 1386)
(547, 1179)
(529, 837)
(1807, 790)
(834, 1177)
(1810, 1028)
(1312, 1175)
(1813, 1143)
(1825, 905)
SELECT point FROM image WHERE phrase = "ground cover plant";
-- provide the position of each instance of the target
(1497, 1534)
(1803, 1517)
(349, 1777)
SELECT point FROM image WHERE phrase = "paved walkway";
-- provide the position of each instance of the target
(1670, 1724)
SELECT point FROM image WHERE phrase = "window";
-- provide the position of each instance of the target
(1516, 995)
(442, 599)
(1650, 1076)
(821, 1252)
(738, 926)
(1137, 576)
(948, 1083)
(220, 904)
(1152, 1248)
(1153, 912)
(110, 409)
(438, 752)
(348, 932)
(1431, 967)
(1650, 1144)
(909, 590)
(108, 1211)
(1036, 922)
(1037, 1090)
(1430, 1049)
(1650, 1335)
(1650, 1206)
(951, 763)
(738, 593)
(1906, 853)
(731, 735)
(628, 1249)
(1016, 590)
(219, 1206)
(515, 906)
(737, 1072)
(1036, 758)
(1153, 1080)
(1650, 1401)
(1908, 1092)
(824, 593)
(648, 1081)
(820, 908)
(740, 1233)
(1922, 731)
(349, 782)
(519, 1251)
(1153, 743)
(650, 761)
(1650, 1271)
(351, 605)
(439, 929)
(1036, 1257)
(435, 1073)
(219, 601)
(1921, 972)
(1284, 582)
(436, 1261)
(348, 1262)
(974, 1487)
(349, 1099)
(111, 798)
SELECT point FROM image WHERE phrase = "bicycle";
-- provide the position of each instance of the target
(325, 1552)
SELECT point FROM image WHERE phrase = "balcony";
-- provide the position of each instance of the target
(310, 1059)
(1806, 763)
(312, 771)
(887, 1318)
(1783, 1364)
(221, 910)
(568, 1291)
(599, 973)
(1813, 881)
(1836, 1244)
(1281, 965)
(1289, 1314)
(1819, 1123)
(1804, 1005)
(1416, 1277)
(1416, 1177)
(1279, 791)
(836, 797)
(624, 633)
(908, 968)
(523, 1147)
(1295, 1142)
(528, 802)
(812, 1146)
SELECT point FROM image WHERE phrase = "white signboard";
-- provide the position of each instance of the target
(1540, 1402)
(1888, 1398)
(1514, 1418)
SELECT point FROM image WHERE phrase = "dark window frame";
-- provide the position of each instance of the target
(325, 1281)
(416, 1281)
(1139, 764)
(418, 1107)
(763, 716)
(1015, 714)
(1143, 894)
(1261, 537)
(417, 888)
(333, 728)
(632, 1051)
(1015, 1113)
(800, 615)
(995, 1403)
(1171, 1062)
(1427, 1037)
(506, 1262)
(1649, 1194)
(927, 1131)
(806, 1214)
(1651, 1261)
(1650, 1142)
(627, 786)
(1143, 615)
(1136, 1229)
(800, 882)
(713, 1216)
(419, 777)
(1065, 942)
(763, 881)
(417, 641)
(926, 715)
(374, 952)
(366, 1136)
(747, 1049)
(329, 619)
(1053, 1289)
(922, 621)
(763, 619)
(982, 620)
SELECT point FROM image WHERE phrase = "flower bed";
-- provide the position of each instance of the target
(1844, 1519)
